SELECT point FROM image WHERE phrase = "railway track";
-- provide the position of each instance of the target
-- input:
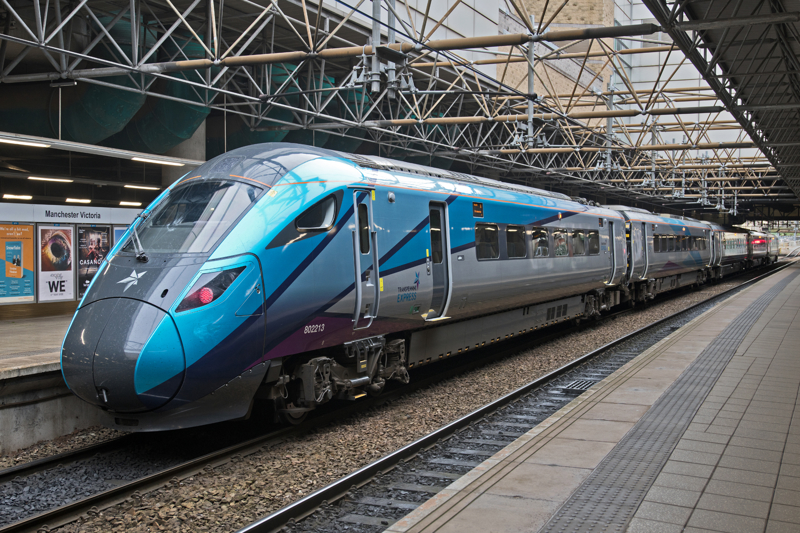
(384, 491)
(478, 445)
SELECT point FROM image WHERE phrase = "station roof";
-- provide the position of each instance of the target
(749, 53)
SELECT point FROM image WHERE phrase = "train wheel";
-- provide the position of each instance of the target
(284, 409)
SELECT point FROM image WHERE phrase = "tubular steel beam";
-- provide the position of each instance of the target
(598, 33)
(718, 24)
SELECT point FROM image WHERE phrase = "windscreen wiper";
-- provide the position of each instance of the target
(141, 256)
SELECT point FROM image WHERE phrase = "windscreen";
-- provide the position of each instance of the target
(194, 217)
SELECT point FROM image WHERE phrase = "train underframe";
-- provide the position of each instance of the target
(301, 383)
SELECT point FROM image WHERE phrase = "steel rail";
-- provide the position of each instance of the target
(339, 488)
(45, 463)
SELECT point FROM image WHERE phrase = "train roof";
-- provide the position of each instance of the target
(269, 162)
(383, 163)
(266, 163)
(630, 209)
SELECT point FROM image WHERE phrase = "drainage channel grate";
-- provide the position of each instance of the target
(579, 385)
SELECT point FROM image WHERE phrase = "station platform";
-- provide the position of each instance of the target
(701, 432)
(35, 403)
(31, 345)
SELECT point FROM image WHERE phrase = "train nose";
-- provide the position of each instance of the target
(124, 355)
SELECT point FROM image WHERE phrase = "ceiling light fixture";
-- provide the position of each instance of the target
(157, 161)
(60, 180)
(132, 204)
(145, 187)
(17, 197)
(79, 201)
(25, 143)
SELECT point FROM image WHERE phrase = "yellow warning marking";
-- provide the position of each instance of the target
(373, 195)
(427, 253)
(381, 284)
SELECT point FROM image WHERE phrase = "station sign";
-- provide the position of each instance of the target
(67, 214)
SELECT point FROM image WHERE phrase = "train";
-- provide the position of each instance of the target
(299, 275)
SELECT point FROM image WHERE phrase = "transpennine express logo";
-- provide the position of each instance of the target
(409, 292)
(133, 279)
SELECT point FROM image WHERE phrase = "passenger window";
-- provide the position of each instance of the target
(487, 245)
(656, 243)
(319, 216)
(594, 242)
(515, 242)
(560, 243)
(363, 228)
(541, 248)
(670, 243)
(684, 243)
(436, 236)
(578, 244)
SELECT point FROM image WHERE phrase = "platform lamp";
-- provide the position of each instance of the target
(61, 84)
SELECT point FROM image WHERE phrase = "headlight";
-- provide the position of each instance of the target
(208, 288)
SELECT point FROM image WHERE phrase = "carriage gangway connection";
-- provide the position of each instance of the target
(701, 432)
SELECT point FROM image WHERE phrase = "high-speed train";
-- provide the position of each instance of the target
(299, 275)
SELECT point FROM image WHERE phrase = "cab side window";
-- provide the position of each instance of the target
(319, 216)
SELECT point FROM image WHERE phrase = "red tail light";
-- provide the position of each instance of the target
(208, 288)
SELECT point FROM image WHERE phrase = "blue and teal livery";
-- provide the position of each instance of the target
(299, 275)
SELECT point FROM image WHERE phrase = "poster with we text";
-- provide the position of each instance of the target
(56, 276)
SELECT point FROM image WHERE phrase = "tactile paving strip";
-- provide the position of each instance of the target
(609, 497)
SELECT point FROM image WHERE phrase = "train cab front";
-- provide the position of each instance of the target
(146, 343)
(123, 355)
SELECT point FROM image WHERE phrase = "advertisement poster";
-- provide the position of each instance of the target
(56, 281)
(119, 231)
(93, 247)
(16, 275)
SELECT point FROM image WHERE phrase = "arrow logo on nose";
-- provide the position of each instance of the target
(133, 279)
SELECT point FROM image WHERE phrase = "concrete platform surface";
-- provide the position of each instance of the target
(719, 397)
(30, 345)
(35, 403)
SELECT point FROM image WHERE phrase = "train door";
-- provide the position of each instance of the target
(629, 247)
(713, 255)
(645, 257)
(612, 250)
(365, 260)
(439, 261)
(637, 250)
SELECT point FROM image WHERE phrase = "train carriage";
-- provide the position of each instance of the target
(299, 275)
